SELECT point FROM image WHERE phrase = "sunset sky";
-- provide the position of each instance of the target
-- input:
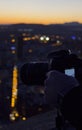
(40, 11)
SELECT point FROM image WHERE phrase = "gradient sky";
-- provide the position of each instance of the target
(40, 11)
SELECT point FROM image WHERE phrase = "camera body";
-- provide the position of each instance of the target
(34, 73)
(67, 63)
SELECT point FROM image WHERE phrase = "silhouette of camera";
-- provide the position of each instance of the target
(34, 73)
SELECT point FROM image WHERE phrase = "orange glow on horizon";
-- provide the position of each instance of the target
(40, 11)
(56, 20)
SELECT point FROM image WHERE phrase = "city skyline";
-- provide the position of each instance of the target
(40, 11)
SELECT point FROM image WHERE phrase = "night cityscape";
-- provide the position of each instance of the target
(24, 43)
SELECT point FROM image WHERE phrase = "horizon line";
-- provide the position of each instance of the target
(71, 22)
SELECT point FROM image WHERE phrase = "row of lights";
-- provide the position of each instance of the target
(26, 37)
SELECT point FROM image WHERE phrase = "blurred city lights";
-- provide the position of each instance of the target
(39, 109)
(24, 34)
(12, 118)
(14, 115)
(44, 39)
(57, 37)
(13, 40)
(11, 35)
(26, 38)
(14, 86)
(13, 48)
(30, 50)
(41, 38)
(57, 41)
(47, 38)
(13, 51)
(73, 37)
(23, 118)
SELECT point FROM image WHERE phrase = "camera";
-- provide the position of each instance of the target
(68, 63)
(34, 73)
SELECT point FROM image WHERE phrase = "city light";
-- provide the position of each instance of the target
(26, 38)
(24, 34)
(30, 50)
(14, 115)
(57, 37)
(44, 39)
(13, 51)
(13, 40)
(12, 118)
(23, 118)
(14, 86)
(47, 38)
(41, 38)
(57, 43)
(13, 47)
(11, 35)
(39, 109)
(73, 37)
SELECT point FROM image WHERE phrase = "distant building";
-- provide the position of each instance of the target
(20, 47)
